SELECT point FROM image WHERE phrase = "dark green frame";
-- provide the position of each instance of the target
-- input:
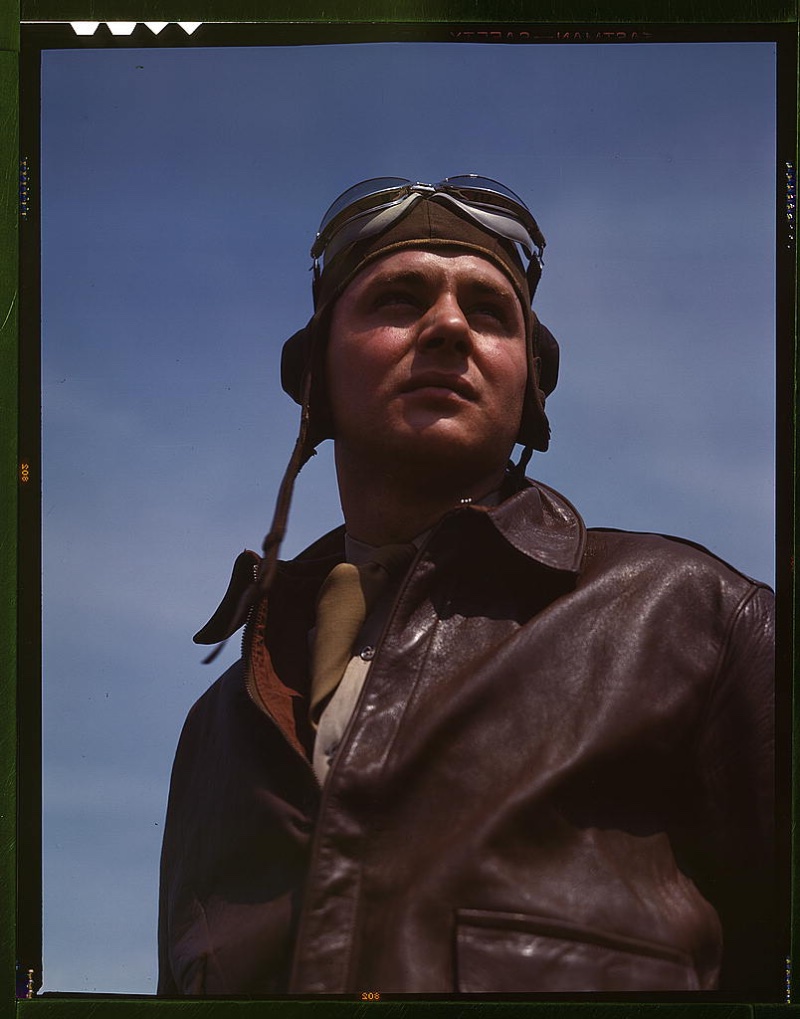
(19, 491)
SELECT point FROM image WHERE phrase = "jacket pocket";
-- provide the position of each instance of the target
(506, 952)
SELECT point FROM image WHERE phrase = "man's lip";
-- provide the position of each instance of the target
(441, 380)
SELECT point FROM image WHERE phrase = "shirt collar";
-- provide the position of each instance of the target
(359, 552)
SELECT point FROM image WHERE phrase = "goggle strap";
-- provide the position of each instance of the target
(499, 223)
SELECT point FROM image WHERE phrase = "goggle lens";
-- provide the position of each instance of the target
(368, 189)
(472, 182)
(378, 193)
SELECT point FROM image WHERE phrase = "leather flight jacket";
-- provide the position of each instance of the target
(558, 778)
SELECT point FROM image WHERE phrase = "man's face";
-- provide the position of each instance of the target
(427, 362)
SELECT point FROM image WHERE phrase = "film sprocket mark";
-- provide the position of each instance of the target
(569, 35)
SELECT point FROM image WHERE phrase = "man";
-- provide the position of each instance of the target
(543, 761)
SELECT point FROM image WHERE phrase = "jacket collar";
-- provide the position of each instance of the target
(541, 524)
(537, 521)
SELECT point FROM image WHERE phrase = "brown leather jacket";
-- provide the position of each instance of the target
(559, 777)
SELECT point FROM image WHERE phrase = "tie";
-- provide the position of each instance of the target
(345, 600)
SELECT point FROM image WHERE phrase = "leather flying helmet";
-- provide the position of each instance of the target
(385, 215)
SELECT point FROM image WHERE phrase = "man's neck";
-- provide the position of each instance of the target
(384, 506)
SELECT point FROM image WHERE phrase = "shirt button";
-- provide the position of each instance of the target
(367, 654)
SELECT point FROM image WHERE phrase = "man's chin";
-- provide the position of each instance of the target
(445, 454)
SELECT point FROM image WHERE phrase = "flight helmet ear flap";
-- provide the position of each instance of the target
(303, 376)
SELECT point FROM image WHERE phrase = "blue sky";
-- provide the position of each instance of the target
(181, 189)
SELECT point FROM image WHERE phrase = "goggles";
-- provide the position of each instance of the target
(374, 205)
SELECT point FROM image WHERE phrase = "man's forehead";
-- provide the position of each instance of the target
(423, 265)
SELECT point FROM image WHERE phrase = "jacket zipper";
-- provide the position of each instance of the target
(250, 611)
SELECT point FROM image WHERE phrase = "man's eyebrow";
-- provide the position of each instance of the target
(492, 289)
(395, 277)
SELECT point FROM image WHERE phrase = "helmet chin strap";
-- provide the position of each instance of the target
(271, 545)
(301, 454)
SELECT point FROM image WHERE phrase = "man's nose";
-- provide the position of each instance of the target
(445, 325)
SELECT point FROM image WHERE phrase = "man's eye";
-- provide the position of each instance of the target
(492, 311)
(394, 297)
